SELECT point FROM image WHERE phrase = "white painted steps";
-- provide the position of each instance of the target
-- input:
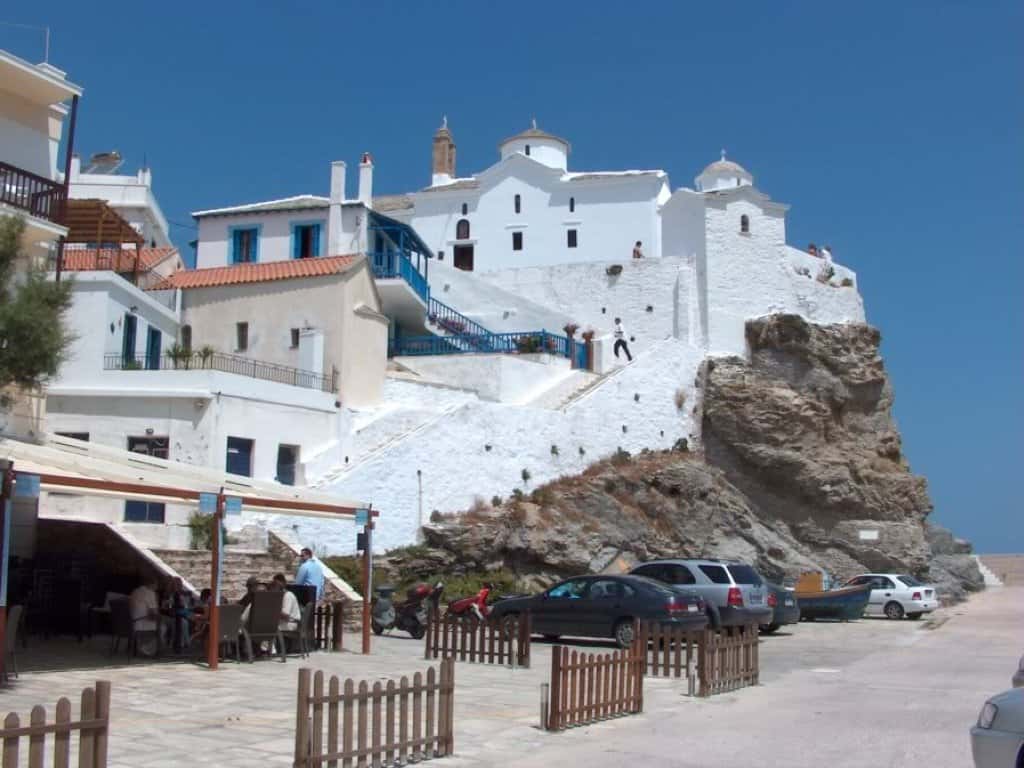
(991, 580)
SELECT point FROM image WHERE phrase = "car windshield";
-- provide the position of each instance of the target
(744, 574)
(910, 581)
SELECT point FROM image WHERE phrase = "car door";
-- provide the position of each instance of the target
(605, 604)
(884, 592)
(562, 610)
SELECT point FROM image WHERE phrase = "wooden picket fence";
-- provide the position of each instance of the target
(588, 687)
(356, 725)
(466, 638)
(328, 626)
(728, 659)
(725, 660)
(92, 727)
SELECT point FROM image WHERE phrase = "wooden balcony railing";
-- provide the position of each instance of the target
(36, 195)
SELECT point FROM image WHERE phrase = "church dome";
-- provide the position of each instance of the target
(723, 174)
(540, 145)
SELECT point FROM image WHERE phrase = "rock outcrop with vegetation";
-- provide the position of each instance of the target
(799, 467)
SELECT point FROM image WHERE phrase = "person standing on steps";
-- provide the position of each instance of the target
(620, 340)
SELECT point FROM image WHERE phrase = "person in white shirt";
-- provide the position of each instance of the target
(291, 614)
(620, 340)
(826, 253)
(145, 612)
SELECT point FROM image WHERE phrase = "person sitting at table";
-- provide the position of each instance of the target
(290, 611)
(252, 586)
(145, 612)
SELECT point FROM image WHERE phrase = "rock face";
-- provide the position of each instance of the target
(800, 468)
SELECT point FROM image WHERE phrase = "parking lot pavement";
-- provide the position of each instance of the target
(868, 693)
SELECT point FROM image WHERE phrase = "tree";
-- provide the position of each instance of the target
(33, 336)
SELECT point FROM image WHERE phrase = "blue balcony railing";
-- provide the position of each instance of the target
(395, 264)
(524, 342)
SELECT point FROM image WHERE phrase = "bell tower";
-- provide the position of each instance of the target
(443, 158)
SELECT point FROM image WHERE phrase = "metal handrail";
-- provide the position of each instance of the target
(522, 342)
(39, 196)
(389, 264)
(225, 363)
(451, 320)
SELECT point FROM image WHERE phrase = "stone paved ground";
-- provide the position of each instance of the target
(848, 683)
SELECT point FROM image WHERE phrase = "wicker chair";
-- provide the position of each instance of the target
(264, 619)
(303, 634)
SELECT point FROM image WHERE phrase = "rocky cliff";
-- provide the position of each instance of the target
(799, 467)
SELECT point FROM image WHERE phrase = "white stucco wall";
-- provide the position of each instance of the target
(29, 134)
(610, 215)
(499, 378)
(454, 449)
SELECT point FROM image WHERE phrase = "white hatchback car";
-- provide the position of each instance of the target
(896, 595)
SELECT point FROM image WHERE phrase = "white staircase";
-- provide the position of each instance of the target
(563, 390)
(991, 580)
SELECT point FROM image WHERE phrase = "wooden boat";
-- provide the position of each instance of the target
(845, 603)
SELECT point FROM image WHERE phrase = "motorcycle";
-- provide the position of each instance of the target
(475, 605)
(409, 616)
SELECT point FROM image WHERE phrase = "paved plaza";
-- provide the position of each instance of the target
(868, 693)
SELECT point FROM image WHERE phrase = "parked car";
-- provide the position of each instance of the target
(734, 592)
(895, 595)
(1018, 676)
(997, 739)
(604, 606)
(785, 608)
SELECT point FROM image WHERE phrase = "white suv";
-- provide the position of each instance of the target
(896, 595)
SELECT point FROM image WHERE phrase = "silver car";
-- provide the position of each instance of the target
(735, 593)
(1018, 676)
(997, 740)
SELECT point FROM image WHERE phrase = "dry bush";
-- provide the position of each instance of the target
(680, 398)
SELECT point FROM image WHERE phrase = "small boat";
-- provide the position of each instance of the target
(845, 603)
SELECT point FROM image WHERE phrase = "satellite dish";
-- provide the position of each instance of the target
(104, 162)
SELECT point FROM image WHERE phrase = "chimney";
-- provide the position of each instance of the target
(76, 167)
(443, 156)
(334, 239)
(366, 180)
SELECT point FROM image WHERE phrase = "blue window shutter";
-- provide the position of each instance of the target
(296, 242)
(254, 245)
(316, 239)
(234, 247)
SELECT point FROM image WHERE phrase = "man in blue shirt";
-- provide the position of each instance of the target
(310, 572)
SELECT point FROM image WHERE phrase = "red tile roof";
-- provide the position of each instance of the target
(258, 273)
(89, 259)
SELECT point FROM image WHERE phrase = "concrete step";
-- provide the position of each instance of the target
(562, 390)
(1008, 569)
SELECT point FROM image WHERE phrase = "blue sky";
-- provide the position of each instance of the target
(893, 129)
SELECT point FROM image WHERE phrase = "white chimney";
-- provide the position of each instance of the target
(334, 234)
(76, 167)
(366, 180)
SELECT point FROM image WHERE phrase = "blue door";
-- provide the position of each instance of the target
(128, 340)
(153, 339)
(239, 458)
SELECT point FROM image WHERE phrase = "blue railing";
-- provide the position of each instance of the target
(451, 320)
(524, 342)
(387, 264)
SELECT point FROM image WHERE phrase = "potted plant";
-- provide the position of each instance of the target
(613, 270)
(570, 329)
(588, 335)
(179, 355)
(206, 353)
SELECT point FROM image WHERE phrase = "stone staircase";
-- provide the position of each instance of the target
(564, 390)
(1006, 569)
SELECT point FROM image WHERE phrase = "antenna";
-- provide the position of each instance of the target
(45, 30)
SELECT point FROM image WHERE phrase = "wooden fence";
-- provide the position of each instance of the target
(92, 727)
(586, 687)
(728, 660)
(466, 638)
(362, 726)
(723, 661)
(328, 626)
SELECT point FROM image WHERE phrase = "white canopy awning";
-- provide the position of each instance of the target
(75, 466)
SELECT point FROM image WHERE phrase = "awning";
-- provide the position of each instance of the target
(74, 466)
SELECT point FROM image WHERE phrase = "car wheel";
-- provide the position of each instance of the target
(624, 633)
(913, 616)
(714, 618)
(893, 610)
(377, 628)
(768, 629)
(418, 631)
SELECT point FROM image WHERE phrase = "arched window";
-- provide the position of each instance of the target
(745, 224)
(186, 337)
(465, 209)
(527, 149)
(518, 203)
(572, 205)
(462, 229)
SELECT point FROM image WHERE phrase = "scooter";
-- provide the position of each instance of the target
(476, 605)
(409, 616)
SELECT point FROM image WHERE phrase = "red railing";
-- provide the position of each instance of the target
(36, 195)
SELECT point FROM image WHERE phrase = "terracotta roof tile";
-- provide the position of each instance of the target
(90, 259)
(259, 273)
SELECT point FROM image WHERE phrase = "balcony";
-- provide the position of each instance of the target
(37, 196)
(225, 363)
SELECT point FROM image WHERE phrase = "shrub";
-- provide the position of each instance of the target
(478, 505)
(496, 501)
(846, 282)
(680, 398)
(517, 494)
(525, 474)
(528, 344)
(201, 530)
(609, 485)
(613, 270)
(583, 451)
(682, 445)
(554, 450)
(543, 496)
(620, 457)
